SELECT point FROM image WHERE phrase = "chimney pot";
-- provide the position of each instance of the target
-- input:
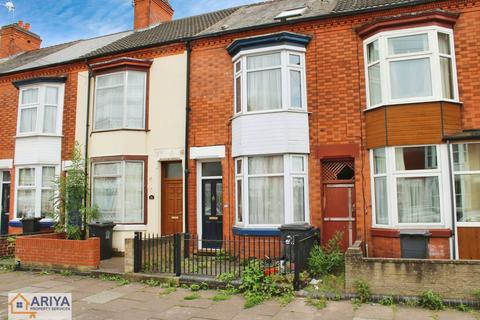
(27, 26)
(20, 23)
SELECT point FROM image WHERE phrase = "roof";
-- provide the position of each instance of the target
(361, 5)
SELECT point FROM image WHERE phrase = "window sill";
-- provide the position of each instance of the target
(32, 135)
(121, 129)
(130, 227)
(253, 113)
(399, 103)
(246, 231)
(44, 223)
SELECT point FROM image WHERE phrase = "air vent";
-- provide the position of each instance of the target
(284, 15)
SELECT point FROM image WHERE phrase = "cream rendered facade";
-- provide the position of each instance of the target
(164, 140)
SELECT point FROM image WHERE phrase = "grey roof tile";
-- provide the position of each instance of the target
(357, 5)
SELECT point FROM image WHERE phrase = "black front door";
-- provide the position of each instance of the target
(4, 206)
(212, 210)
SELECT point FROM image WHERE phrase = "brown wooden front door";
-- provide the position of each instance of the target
(468, 243)
(339, 213)
(172, 198)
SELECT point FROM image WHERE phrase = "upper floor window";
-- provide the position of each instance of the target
(40, 110)
(270, 80)
(120, 101)
(411, 65)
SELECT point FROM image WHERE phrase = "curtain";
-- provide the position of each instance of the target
(379, 161)
(408, 44)
(106, 195)
(26, 177)
(410, 78)
(265, 165)
(50, 119)
(264, 90)
(48, 177)
(266, 200)
(51, 96)
(443, 43)
(47, 202)
(295, 89)
(374, 84)
(373, 52)
(298, 199)
(30, 96)
(418, 200)
(25, 203)
(109, 102)
(467, 190)
(447, 81)
(28, 119)
(264, 61)
(135, 99)
(133, 192)
(381, 200)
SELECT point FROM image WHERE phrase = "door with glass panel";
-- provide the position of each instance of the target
(212, 205)
(172, 198)
(4, 201)
(466, 171)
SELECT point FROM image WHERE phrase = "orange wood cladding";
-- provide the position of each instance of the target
(466, 237)
(410, 124)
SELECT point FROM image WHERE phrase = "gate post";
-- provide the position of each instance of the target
(177, 254)
(296, 263)
(137, 252)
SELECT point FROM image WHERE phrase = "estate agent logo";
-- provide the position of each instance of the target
(39, 306)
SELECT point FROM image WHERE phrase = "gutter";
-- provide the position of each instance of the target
(187, 124)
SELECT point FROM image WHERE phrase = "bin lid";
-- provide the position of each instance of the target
(303, 226)
(31, 218)
(103, 224)
(415, 232)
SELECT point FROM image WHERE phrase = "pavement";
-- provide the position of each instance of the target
(100, 299)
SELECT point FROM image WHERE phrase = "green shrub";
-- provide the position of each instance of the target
(464, 308)
(362, 290)
(194, 287)
(387, 301)
(327, 260)
(226, 277)
(151, 282)
(431, 300)
(193, 296)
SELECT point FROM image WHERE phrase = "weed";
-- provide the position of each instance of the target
(411, 303)
(328, 259)
(226, 277)
(203, 286)
(151, 282)
(66, 273)
(168, 290)
(476, 294)
(363, 291)
(320, 303)
(463, 308)
(192, 296)
(221, 297)
(45, 272)
(194, 287)
(120, 280)
(431, 300)
(387, 301)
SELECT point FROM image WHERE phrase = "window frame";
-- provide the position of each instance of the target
(122, 160)
(38, 187)
(392, 175)
(285, 51)
(288, 175)
(433, 54)
(40, 105)
(125, 73)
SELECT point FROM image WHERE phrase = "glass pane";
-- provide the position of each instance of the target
(207, 199)
(47, 203)
(25, 203)
(418, 200)
(219, 198)
(264, 61)
(444, 43)
(294, 59)
(408, 44)
(374, 84)
(264, 90)
(6, 176)
(109, 108)
(467, 191)
(110, 80)
(410, 78)
(51, 96)
(50, 119)
(135, 100)
(381, 204)
(298, 164)
(134, 192)
(238, 66)
(373, 54)
(295, 89)
(265, 165)
(48, 177)
(106, 195)
(239, 201)
(238, 92)
(298, 199)
(30, 96)
(211, 169)
(107, 169)
(28, 120)
(447, 77)
(26, 177)
(173, 170)
(239, 166)
(416, 158)
(466, 157)
(266, 200)
(379, 161)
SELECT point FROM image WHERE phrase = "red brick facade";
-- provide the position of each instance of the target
(17, 38)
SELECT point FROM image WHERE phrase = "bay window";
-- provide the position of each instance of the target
(411, 65)
(40, 110)
(271, 190)
(267, 80)
(35, 191)
(118, 191)
(466, 168)
(120, 101)
(408, 185)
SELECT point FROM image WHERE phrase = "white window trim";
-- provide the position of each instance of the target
(125, 91)
(40, 105)
(2, 183)
(433, 54)
(288, 176)
(38, 187)
(121, 175)
(284, 51)
(392, 175)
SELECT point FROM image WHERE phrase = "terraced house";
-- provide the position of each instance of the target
(353, 116)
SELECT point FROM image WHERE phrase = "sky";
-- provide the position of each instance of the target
(59, 21)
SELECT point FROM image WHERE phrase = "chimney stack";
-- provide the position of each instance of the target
(16, 38)
(151, 12)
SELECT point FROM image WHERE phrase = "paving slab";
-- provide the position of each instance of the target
(103, 297)
(377, 312)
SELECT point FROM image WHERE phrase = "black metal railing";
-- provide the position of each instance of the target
(185, 254)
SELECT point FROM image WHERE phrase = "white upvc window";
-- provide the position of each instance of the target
(410, 186)
(120, 101)
(118, 191)
(35, 191)
(466, 171)
(270, 79)
(271, 190)
(410, 65)
(40, 110)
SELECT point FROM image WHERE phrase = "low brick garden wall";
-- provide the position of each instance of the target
(452, 279)
(7, 248)
(54, 251)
